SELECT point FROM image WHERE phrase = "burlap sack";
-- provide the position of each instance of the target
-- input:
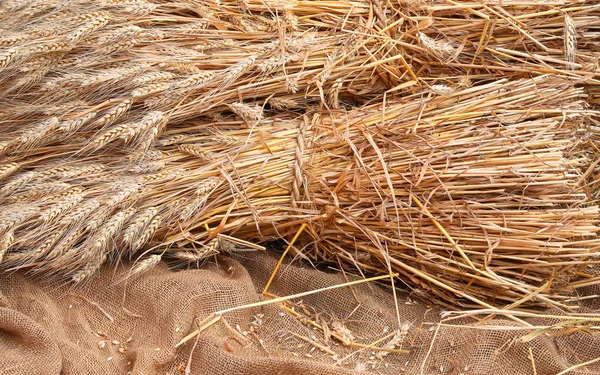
(132, 327)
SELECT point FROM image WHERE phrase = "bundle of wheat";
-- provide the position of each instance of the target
(450, 143)
(479, 194)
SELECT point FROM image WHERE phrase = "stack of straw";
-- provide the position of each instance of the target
(453, 144)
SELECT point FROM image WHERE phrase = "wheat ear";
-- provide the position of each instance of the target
(570, 40)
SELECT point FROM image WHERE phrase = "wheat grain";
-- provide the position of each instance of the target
(61, 207)
(6, 241)
(396, 341)
(115, 112)
(291, 20)
(20, 37)
(81, 18)
(207, 186)
(148, 233)
(150, 89)
(16, 182)
(153, 121)
(109, 135)
(140, 9)
(295, 44)
(64, 245)
(225, 139)
(60, 14)
(60, 109)
(14, 39)
(152, 35)
(165, 100)
(282, 103)
(125, 193)
(107, 232)
(145, 265)
(147, 167)
(136, 227)
(49, 47)
(202, 193)
(346, 335)
(8, 169)
(334, 93)
(441, 89)
(119, 35)
(195, 255)
(46, 246)
(172, 139)
(235, 72)
(179, 67)
(120, 46)
(95, 23)
(73, 190)
(168, 175)
(7, 56)
(75, 124)
(65, 172)
(88, 270)
(36, 134)
(273, 63)
(147, 141)
(96, 219)
(439, 48)
(195, 80)
(153, 77)
(292, 84)
(330, 59)
(83, 211)
(66, 80)
(192, 27)
(198, 151)
(115, 75)
(16, 215)
(38, 191)
(250, 113)
(75, 171)
(153, 155)
(570, 40)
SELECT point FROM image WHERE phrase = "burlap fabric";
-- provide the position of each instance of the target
(132, 328)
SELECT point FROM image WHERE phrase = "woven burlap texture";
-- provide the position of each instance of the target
(132, 327)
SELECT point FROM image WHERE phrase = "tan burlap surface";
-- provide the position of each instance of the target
(132, 327)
